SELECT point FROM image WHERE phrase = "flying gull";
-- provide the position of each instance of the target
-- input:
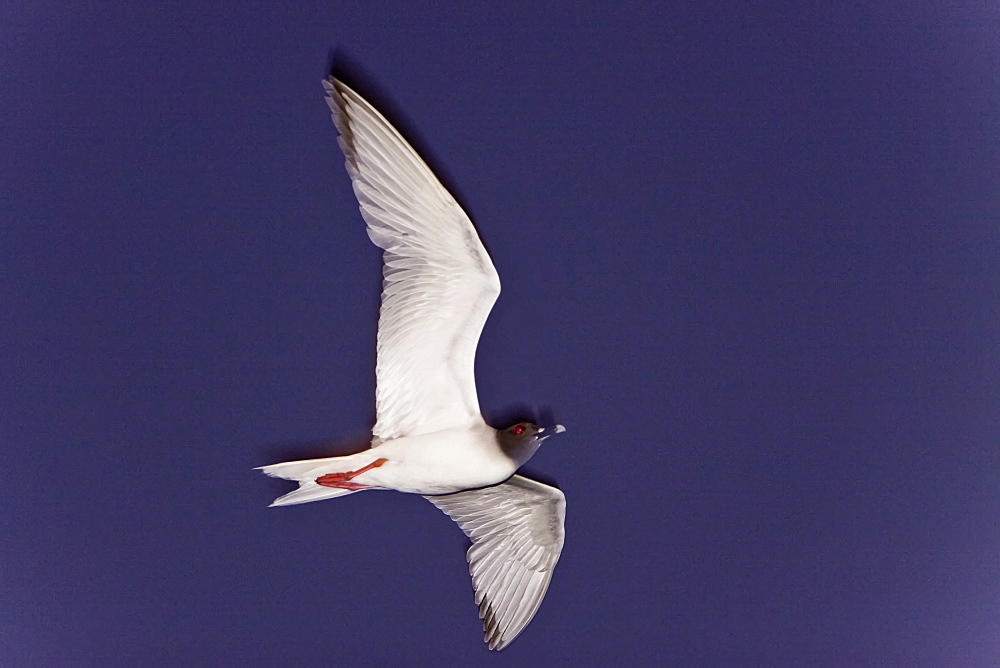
(430, 437)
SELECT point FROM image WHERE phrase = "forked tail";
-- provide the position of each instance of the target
(305, 473)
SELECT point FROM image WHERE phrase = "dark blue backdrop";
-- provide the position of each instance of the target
(749, 257)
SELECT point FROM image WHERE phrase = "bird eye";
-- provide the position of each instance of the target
(519, 429)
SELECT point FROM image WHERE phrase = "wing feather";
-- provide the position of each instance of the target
(439, 283)
(517, 534)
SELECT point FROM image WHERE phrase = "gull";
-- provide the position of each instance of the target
(430, 438)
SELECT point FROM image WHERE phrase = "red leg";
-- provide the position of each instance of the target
(342, 480)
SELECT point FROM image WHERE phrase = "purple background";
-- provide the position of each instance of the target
(749, 258)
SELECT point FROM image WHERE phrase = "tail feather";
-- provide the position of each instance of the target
(300, 470)
(305, 473)
(310, 491)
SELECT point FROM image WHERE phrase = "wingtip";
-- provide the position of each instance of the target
(333, 85)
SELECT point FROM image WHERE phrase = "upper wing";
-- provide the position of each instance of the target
(517, 534)
(439, 283)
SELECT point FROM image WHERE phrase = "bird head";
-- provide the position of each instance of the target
(521, 440)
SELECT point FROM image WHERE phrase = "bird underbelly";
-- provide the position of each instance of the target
(422, 472)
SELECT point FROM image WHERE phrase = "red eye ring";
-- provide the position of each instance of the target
(519, 429)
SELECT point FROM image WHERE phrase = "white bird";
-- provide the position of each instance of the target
(430, 437)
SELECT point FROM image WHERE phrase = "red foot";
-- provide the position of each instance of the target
(341, 480)
(343, 484)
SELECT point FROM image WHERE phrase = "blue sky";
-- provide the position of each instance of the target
(748, 256)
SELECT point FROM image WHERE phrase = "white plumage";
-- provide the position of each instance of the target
(517, 535)
(429, 437)
(439, 283)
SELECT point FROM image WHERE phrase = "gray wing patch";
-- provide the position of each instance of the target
(517, 535)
